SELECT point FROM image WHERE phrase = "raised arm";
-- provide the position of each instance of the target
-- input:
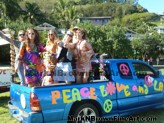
(70, 45)
(2, 35)
(21, 54)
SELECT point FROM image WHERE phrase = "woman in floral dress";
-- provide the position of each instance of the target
(50, 57)
(30, 55)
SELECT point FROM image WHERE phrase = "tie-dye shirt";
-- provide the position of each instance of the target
(32, 61)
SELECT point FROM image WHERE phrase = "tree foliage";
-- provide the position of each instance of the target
(65, 15)
(10, 8)
(108, 39)
(133, 21)
(148, 45)
(109, 9)
(33, 13)
(19, 24)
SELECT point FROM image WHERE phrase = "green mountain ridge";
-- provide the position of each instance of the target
(116, 10)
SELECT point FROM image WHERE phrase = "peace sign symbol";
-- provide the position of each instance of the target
(107, 106)
(148, 80)
(124, 69)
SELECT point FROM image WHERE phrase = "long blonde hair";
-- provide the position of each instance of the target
(56, 39)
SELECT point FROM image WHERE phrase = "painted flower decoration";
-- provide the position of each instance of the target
(110, 88)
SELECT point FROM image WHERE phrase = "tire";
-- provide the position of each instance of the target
(84, 110)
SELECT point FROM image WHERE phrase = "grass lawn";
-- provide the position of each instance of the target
(4, 113)
(6, 118)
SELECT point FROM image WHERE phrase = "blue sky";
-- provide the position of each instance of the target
(156, 6)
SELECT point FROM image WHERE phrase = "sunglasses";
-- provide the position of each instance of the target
(30, 33)
(21, 34)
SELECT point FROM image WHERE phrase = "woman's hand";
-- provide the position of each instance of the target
(59, 43)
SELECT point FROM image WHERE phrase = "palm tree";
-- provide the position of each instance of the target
(66, 15)
(33, 13)
(72, 16)
(10, 8)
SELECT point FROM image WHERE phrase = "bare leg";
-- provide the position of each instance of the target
(68, 83)
(78, 77)
(55, 81)
(85, 77)
(31, 85)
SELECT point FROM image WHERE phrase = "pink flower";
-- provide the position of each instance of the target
(110, 88)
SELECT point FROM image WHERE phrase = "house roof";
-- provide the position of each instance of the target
(103, 17)
(44, 26)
